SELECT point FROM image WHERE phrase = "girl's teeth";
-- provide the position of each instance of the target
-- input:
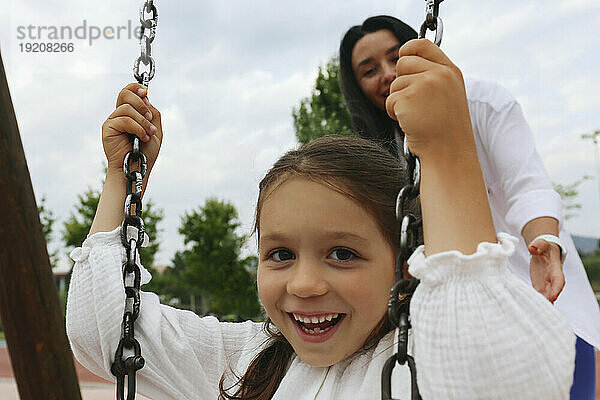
(316, 331)
(315, 320)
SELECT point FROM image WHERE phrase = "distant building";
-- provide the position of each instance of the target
(60, 271)
(586, 245)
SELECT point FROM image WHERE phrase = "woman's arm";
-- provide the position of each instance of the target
(531, 207)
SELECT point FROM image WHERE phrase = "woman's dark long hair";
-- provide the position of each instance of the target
(368, 121)
(357, 168)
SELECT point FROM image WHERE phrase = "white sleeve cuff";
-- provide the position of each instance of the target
(556, 240)
(489, 259)
(476, 324)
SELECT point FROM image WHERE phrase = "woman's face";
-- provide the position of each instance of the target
(325, 270)
(374, 60)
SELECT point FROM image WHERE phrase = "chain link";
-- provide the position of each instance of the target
(432, 21)
(148, 32)
(133, 233)
(398, 304)
(410, 225)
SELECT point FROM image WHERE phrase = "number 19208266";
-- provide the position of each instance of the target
(37, 47)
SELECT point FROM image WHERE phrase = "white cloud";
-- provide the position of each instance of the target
(229, 73)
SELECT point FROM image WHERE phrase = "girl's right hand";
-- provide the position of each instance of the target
(133, 114)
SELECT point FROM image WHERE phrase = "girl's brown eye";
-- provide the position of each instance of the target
(281, 255)
(342, 254)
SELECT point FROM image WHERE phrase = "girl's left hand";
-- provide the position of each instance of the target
(545, 269)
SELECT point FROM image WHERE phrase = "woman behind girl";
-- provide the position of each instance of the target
(328, 239)
(522, 200)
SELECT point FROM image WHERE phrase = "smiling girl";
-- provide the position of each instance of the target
(328, 240)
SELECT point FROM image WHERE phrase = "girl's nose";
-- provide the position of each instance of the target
(306, 280)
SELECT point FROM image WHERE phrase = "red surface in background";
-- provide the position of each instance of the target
(83, 374)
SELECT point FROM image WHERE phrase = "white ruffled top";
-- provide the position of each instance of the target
(478, 333)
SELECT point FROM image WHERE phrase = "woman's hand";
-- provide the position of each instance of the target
(428, 100)
(545, 269)
(133, 114)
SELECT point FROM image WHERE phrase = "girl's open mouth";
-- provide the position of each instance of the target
(316, 328)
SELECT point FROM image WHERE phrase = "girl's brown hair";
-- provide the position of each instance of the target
(357, 168)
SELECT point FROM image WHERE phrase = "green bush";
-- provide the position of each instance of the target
(592, 267)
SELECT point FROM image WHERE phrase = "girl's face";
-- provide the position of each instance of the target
(374, 60)
(325, 270)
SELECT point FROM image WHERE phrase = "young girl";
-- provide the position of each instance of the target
(327, 240)
(521, 197)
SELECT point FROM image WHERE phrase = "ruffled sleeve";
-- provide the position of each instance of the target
(185, 355)
(481, 333)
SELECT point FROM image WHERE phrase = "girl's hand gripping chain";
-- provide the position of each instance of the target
(135, 115)
(428, 100)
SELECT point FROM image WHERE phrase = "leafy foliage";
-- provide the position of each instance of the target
(80, 221)
(568, 193)
(47, 220)
(324, 112)
(172, 287)
(592, 267)
(593, 136)
(211, 268)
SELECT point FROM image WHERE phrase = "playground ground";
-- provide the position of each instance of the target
(92, 387)
(95, 388)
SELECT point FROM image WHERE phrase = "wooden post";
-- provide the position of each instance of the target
(31, 315)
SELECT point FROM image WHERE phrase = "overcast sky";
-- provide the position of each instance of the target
(229, 73)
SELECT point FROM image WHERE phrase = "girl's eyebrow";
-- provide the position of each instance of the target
(346, 236)
(331, 235)
(273, 237)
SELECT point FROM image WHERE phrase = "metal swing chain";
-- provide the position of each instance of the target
(127, 365)
(399, 302)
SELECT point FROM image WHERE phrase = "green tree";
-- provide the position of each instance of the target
(568, 193)
(79, 222)
(47, 220)
(172, 287)
(592, 268)
(324, 112)
(211, 266)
